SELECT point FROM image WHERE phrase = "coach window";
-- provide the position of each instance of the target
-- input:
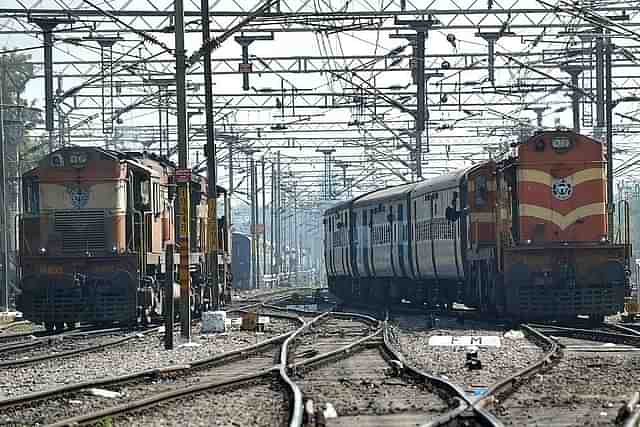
(401, 223)
(481, 190)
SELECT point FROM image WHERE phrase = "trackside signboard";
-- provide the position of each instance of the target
(183, 175)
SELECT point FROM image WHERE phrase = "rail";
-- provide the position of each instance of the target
(507, 384)
(150, 373)
(297, 409)
(464, 401)
(295, 419)
(59, 355)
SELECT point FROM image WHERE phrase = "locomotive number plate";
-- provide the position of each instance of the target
(103, 268)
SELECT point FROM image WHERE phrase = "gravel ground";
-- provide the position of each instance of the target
(58, 344)
(585, 389)
(75, 404)
(449, 362)
(136, 355)
(262, 404)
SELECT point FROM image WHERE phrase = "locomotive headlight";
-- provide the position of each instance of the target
(603, 239)
(528, 241)
(43, 251)
(114, 249)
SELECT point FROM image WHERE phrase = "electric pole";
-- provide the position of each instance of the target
(421, 27)
(264, 220)
(278, 218)
(47, 25)
(253, 200)
(609, 121)
(3, 190)
(183, 175)
(212, 191)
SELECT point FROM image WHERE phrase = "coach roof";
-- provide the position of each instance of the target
(389, 193)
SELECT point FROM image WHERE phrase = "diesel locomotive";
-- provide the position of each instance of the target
(94, 234)
(525, 237)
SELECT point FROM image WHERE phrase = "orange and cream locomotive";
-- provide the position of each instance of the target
(93, 237)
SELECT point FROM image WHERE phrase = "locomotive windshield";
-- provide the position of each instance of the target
(561, 143)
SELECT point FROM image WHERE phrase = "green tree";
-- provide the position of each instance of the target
(23, 147)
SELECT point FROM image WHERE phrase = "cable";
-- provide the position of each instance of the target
(142, 34)
(215, 42)
(17, 50)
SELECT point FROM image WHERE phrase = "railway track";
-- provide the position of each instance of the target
(362, 384)
(437, 346)
(65, 345)
(615, 337)
(585, 382)
(360, 373)
(350, 361)
(9, 338)
(256, 372)
(229, 371)
(502, 400)
(143, 389)
(15, 337)
(27, 348)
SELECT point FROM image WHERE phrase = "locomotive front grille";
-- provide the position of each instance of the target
(81, 230)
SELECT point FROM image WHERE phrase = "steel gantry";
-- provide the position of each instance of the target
(395, 90)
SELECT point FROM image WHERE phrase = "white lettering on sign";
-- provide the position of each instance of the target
(464, 341)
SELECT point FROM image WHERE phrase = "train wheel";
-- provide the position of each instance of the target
(59, 327)
(48, 326)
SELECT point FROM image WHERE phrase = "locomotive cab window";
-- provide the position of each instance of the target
(561, 143)
(157, 204)
(31, 195)
(144, 192)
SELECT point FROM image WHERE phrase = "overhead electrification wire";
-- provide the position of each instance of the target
(592, 18)
(18, 50)
(215, 42)
(143, 34)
